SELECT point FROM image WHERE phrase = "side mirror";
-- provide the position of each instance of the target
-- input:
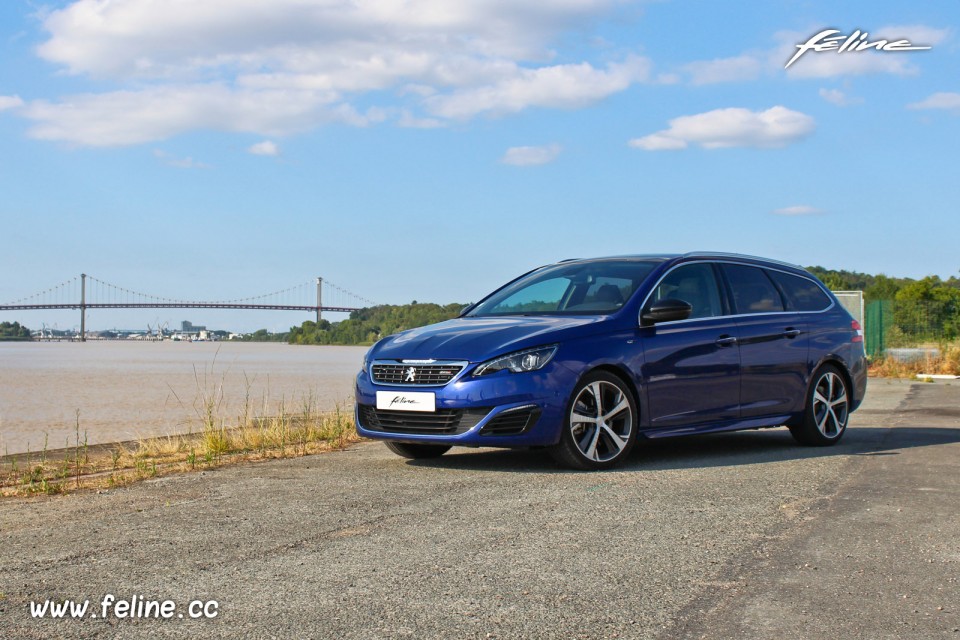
(666, 311)
(465, 309)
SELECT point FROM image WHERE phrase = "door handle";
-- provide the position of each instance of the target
(791, 333)
(726, 341)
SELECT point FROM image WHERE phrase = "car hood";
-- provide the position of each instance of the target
(479, 339)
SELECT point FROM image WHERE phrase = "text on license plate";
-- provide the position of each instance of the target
(406, 401)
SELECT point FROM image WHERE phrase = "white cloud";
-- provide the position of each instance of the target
(733, 127)
(839, 98)
(663, 141)
(181, 163)
(531, 156)
(736, 69)
(134, 117)
(407, 119)
(561, 86)
(942, 100)
(798, 210)
(265, 148)
(10, 102)
(231, 63)
(145, 38)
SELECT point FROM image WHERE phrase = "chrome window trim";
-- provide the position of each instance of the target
(462, 363)
(734, 315)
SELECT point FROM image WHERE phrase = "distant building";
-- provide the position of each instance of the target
(188, 327)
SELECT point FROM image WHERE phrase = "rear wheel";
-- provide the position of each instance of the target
(417, 451)
(601, 425)
(827, 411)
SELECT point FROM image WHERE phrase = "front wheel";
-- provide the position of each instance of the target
(601, 425)
(827, 410)
(417, 451)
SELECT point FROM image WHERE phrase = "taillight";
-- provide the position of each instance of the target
(858, 337)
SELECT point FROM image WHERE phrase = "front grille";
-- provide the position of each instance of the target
(415, 374)
(511, 422)
(439, 422)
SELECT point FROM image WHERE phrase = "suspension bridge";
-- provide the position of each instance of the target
(87, 292)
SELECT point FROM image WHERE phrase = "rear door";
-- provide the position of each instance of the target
(774, 344)
(692, 367)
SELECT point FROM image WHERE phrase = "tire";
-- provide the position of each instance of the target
(827, 410)
(417, 451)
(598, 434)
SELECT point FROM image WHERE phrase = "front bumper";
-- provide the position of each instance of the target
(488, 411)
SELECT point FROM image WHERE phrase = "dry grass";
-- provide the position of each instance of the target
(277, 433)
(948, 362)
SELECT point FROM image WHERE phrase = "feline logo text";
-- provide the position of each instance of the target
(854, 43)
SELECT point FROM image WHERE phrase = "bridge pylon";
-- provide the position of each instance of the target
(319, 298)
(83, 307)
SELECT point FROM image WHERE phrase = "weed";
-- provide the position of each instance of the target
(947, 361)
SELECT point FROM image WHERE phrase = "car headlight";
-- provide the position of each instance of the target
(518, 362)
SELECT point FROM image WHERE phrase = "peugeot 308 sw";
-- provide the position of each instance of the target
(586, 356)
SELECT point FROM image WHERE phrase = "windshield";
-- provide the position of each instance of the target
(577, 288)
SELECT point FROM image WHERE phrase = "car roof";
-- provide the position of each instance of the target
(704, 255)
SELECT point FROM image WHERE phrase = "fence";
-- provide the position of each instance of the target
(893, 324)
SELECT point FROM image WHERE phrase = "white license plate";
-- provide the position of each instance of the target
(406, 401)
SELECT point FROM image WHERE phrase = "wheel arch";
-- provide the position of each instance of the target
(840, 365)
(624, 375)
(833, 360)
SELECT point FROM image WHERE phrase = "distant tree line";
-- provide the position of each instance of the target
(262, 335)
(915, 310)
(366, 326)
(882, 287)
(13, 331)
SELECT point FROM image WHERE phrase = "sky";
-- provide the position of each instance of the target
(431, 150)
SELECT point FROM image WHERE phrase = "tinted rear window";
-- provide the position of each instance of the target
(753, 292)
(802, 294)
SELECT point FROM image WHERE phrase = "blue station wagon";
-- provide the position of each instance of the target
(585, 357)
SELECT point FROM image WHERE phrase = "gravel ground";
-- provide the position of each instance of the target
(714, 536)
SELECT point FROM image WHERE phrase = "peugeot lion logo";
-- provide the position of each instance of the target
(410, 375)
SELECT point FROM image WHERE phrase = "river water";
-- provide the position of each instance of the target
(128, 390)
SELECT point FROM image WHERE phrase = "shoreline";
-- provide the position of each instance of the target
(109, 465)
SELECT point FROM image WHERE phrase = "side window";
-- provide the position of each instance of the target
(694, 284)
(752, 290)
(802, 294)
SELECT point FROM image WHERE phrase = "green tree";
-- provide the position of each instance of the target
(13, 331)
(927, 309)
(366, 326)
(883, 288)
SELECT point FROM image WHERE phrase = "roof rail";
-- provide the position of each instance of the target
(723, 254)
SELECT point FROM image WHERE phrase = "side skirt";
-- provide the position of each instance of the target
(716, 427)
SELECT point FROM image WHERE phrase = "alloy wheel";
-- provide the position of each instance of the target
(601, 421)
(830, 405)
